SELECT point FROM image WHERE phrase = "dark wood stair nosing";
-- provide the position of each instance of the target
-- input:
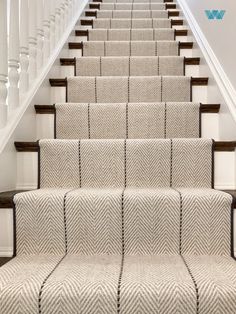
(97, 5)
(209, 108)
(182, 45)
(225, 146)
(219, 146)
(192, 60)
(199, 81)
(93, 13)
(68, 61)
(87, 22)
(75, 45)
(26, 146)
(187, 61)
(62, 82)
(58, 82)
(6, 198)
(82, 32)
(5, 260)
(50, 109)
(186, 45)
(45, 109)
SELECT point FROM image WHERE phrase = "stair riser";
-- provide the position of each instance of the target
(6, 232)
(77, 53)
(199, 94)
(225, 176)
(209, 125)
(190, 70)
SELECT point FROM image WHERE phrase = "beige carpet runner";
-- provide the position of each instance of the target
(126, 219)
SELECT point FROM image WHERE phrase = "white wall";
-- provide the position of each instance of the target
(219, 33)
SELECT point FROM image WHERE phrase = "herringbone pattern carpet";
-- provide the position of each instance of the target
(125, 220)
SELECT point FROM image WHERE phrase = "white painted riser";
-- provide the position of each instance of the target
(199, 94)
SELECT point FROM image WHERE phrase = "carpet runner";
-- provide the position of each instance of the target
(126, 218)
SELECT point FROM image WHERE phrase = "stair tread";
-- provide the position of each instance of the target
(7, 197)
(4, 260)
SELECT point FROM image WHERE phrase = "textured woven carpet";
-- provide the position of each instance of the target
(130, 66)
(126, 219)
(131, 48)
(138, 14)
(108, 23)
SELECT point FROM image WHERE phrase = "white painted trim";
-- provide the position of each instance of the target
(222, 80)
(15, 117)
(6, 251)
(26, 187)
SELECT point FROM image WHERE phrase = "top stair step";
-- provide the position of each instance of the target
(132, 6)
(133, 1)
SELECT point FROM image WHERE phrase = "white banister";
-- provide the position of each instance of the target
(3, 62)
(70, 7)
(52, 25)
(14, 55)
(46, 28)
(57, 20)
(24, 46)
(62, 22)
(32, 34)
(32, 41)
(40, 34)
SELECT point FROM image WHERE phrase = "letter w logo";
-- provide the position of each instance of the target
(215, 14)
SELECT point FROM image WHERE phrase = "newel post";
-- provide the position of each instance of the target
(14, 55)
(3, 62)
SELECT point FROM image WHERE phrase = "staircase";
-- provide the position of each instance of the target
(128, 216)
